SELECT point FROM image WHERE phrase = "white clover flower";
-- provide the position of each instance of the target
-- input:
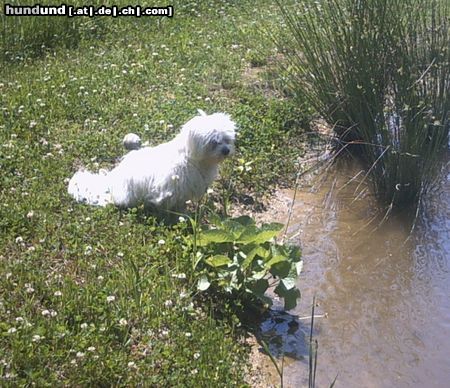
(131, 364)
(165, 333)
(80, 354)
(179, 275)
(100, 278)
(161, 242)
(12, 330)
(91, 349)
(196, 356)
(123, 322)
(188, 335)
(45, 313)
(209, 191)
(19, 240)
(57, 293)
(120, 254)
(84, 326)
(33, 124)
(194, 371)
(36, 338)
(110, 298)
(30, 214)
(53, 313)
(168, 303)
(181, 219)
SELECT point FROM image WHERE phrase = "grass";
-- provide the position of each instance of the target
(100, 297)
(378, 71)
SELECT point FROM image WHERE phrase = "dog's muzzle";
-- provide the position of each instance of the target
(225, 151)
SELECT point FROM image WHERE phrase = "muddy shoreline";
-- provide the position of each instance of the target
(277, 208)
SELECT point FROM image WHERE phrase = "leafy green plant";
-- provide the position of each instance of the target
(238, 257)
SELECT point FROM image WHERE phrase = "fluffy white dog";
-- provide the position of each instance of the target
(165, 176)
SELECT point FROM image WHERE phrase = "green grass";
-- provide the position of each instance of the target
(100, 297)
(379, 72)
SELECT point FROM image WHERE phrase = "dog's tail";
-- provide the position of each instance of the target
(90, 188)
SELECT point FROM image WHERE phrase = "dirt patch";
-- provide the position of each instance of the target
(261, 371)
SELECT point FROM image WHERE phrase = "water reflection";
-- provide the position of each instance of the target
(285, 335)
(386, 296)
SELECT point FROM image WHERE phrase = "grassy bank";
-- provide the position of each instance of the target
(98, 296)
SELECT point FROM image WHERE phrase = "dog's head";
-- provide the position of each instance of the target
(210, 138)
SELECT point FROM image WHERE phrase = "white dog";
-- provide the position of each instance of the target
(165, 176)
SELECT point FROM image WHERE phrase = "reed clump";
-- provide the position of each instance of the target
(379, 72)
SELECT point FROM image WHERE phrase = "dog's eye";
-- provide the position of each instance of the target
(214, 143)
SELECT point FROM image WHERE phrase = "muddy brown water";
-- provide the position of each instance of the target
(386, 297)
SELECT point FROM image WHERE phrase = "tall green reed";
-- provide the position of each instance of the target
(379, 72)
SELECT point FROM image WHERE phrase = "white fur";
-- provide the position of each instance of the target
(131, 141)
(165, 176)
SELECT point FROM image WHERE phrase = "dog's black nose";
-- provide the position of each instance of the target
(225, 151)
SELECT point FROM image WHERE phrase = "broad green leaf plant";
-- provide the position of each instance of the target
(238, 257)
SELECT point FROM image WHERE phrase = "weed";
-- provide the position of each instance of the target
(236, 257)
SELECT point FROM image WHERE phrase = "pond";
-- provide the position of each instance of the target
(383, 293)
